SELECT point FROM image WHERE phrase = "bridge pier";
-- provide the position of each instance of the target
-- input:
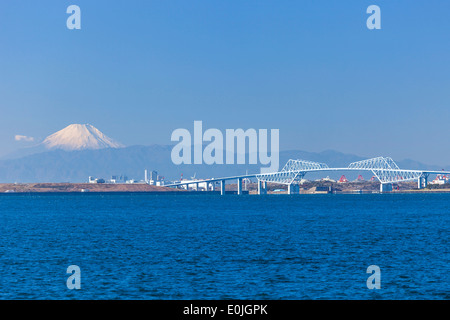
(262, 187)
(422, 182)
(293, 188)
(385, 187)
(239, 186)
(222, 187)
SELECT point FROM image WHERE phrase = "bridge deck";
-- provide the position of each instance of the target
(181, 183)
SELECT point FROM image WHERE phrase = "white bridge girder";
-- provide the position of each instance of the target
(386, 170)
(383, 168)
(293, 171)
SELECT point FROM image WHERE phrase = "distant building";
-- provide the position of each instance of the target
(323, 189)
(327, 179)
(118, 179)
(440, 179)
(153, 178)
(96, 180)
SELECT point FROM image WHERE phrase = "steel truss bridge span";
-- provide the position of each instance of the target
(384, 169)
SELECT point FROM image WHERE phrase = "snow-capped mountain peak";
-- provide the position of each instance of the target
(80, 137)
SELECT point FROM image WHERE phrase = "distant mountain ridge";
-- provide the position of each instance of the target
(76, 166)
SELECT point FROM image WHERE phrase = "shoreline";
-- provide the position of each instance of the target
(21, 188)
(83, 188)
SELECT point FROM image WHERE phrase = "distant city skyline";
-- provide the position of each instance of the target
(137, 71)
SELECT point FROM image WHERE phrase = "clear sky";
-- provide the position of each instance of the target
(137, 70)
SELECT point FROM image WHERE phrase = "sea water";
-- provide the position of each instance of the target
(206, 246)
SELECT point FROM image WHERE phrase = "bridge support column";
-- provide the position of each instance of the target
(293, 188)
(239, 186)
(422, 182)
(222, 187)
(385, 187)
(196, 186)
(262, 187)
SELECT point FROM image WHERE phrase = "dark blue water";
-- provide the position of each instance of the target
(144, 246)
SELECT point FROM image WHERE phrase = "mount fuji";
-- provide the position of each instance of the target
(75, 137)
(79, 137)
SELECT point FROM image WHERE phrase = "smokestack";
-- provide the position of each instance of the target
(146, 176)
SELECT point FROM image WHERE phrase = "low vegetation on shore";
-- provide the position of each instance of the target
(81, 187)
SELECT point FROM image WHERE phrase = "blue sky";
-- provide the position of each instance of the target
(137, 70)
